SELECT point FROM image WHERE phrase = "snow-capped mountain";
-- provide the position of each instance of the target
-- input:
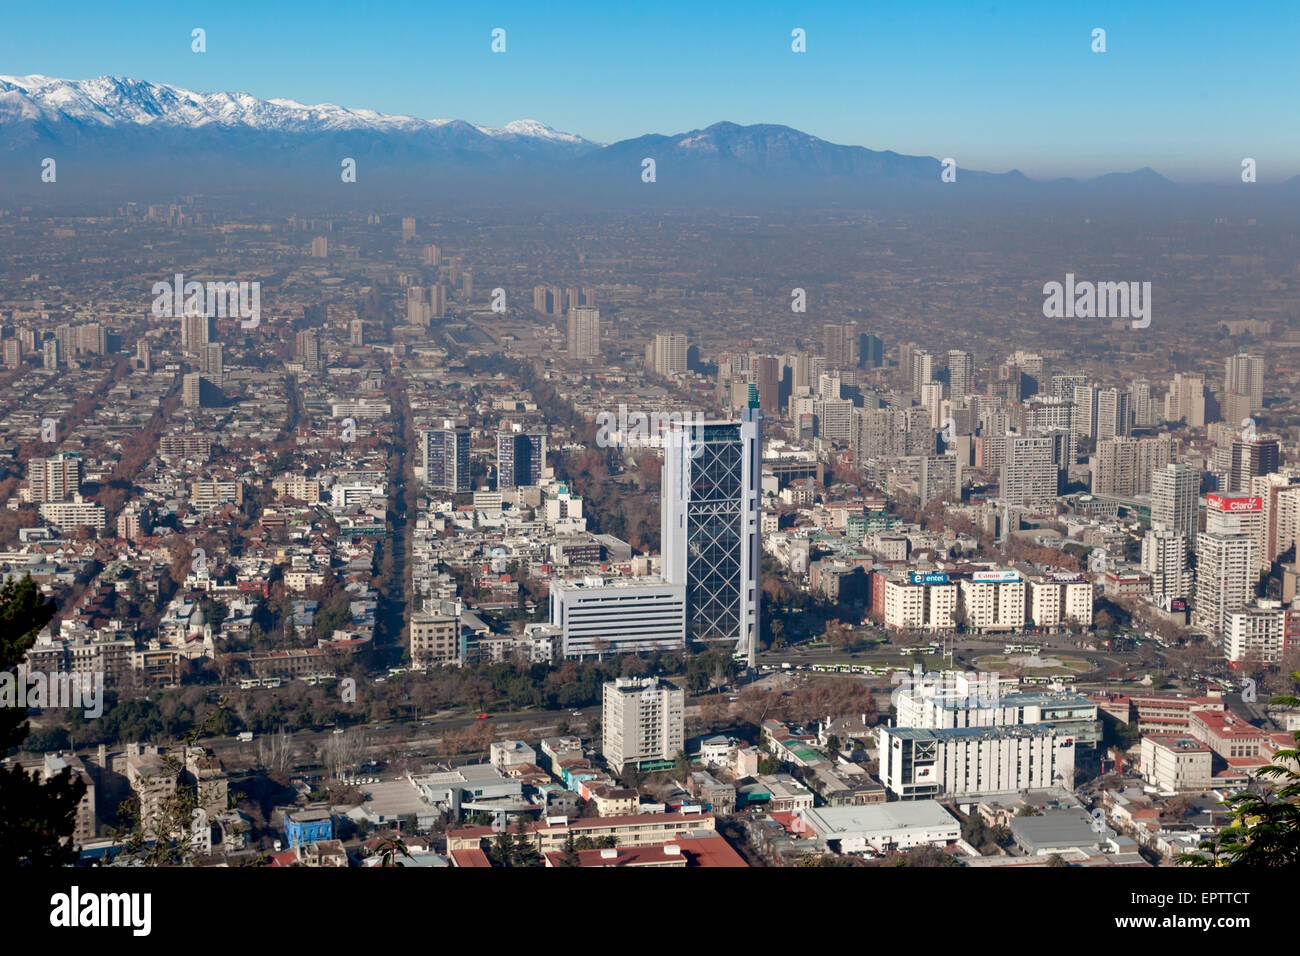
(109, 101)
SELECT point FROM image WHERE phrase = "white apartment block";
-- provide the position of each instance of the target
(994, 605)
(1055, 600)
(1256, 632)
(1164, 558)
(912, 604)
(73, 514)
(1225, 578)
(642, 721)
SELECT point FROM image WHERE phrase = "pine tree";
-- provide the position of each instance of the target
(38, 819)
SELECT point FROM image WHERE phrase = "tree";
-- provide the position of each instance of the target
(502, 849)
(973, 831)
(1056, 860)
(769, 765)
(570, 855)
(39, 816)
(682, 765)
(524, 852)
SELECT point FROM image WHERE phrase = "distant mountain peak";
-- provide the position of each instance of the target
(113, 101)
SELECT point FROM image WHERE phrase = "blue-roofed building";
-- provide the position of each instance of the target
(302, 827)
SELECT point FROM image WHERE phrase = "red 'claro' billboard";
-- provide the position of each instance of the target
(1220, 503)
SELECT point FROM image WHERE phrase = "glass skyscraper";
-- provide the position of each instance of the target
(710, 526)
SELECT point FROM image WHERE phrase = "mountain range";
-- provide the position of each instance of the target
(115, 128)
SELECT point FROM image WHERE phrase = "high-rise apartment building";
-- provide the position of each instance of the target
(196, 331)
(57, 478)
(1142, 404)
(1253, 457)
(447, 458)
(1175, 499)
(1164, 558)
(642, 722)
(1064, 384)
(1028, 472)
(670, 354)
(841, 345)
(1085, 410)
(308, 342)
(521, 456)
(1225, 578)
(417, 306)
(1186, 400)
(584, 334)
(922, 370)
(961, 374)
(1112, 414)
(212, 364)
(1243, 375)
(1124, 466)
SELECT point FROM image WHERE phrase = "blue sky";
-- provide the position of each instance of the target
(1188, 88)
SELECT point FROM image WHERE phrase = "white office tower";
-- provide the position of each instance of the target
(1028, 473)
(1164, 558)
(584, 334)
(710, 526)
(670, 354)
(961, 374)
(1243, 375)
(1225, 578)
(921, 764)
(597, 616)
(642, 722)
(1175, 494)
